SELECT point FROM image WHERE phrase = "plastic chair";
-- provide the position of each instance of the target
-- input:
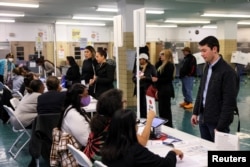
(22, 130)
(14, 102)
(80, 157)
(99, 164)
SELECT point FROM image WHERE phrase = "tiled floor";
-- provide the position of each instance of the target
(181, 121)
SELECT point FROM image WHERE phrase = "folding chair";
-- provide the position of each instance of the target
(14, 102)
(99, 164)
(22, 130)
(80, 157)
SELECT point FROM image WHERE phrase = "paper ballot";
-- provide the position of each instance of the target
(226, 141)
(151, 103)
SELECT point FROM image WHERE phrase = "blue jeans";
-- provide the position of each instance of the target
(207, 131)
(187, 88)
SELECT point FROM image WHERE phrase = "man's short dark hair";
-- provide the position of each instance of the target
(52, 83)
(211, 42)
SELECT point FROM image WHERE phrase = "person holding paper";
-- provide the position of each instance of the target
(217, 95)
(123, 149)
(164, 85)
(147, 75)
(187, 74)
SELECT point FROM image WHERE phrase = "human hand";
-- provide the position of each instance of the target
(91, 81)
(150, 115)
(179, 153)
(194, 120)
(154, 79)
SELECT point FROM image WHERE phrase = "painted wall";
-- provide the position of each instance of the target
(28, 32)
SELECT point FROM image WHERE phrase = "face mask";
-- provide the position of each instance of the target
(85, 101)
(10, 59)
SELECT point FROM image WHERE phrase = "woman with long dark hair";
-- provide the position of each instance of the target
(74, 119)
(104, 75)
(73, 72)
(122, 149)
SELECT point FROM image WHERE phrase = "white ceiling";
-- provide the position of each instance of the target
(51, 11)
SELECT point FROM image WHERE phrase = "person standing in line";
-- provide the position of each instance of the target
(104, 75)
(187, 74)
(6, 67)
(122, 148)
(164, 85)
(88, 64)
(147, 75)
(73, 73)
(217, 95)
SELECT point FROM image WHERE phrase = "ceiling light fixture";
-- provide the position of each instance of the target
(209, 26)
(7, 20)
(93, 18)
(154, 11)
(27, 5)
(187, 21)
(161, 26)
(243, 23)
(79, 23)
(10, 14)
(99, 9)
(225, 15)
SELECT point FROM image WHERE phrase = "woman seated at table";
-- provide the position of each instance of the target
(74, 120)
(122, 148)
(109, 102)
(26, 109)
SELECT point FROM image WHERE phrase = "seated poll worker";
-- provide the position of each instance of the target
(52, 100)
(108, 103)
(122, 148)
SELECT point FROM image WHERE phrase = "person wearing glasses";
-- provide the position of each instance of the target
(122, 148)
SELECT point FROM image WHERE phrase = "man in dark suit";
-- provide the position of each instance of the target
(53, 100)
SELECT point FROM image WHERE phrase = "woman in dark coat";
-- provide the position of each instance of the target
(104, 75)
(73, 73)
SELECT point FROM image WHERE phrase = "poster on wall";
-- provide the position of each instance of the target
(240, 58)
(76, 34)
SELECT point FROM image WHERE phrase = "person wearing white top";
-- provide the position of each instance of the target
(74, 119)
(26, 110)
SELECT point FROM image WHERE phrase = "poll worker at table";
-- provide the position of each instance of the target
(108, 103)
(122, 148)
(217, 95)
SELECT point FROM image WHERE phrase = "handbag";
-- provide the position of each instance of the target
(152, 92)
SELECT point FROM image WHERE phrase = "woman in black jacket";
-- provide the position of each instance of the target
(165, 74)
(104, 75)
(73, 73)
(122, 149)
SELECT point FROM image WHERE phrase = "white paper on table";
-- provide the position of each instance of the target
(150, 103)
(226, 141)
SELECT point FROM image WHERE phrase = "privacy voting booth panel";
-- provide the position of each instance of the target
(32, 63)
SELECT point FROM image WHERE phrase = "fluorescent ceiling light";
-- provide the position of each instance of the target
(78, 23)
(27, 5)
(93, 18)
(209, 26)
(187, 21)
(154, 11)
(9, 14)
(160, 26)
(7, 20)
(106, 9)
(244, 23)
(225, 15)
